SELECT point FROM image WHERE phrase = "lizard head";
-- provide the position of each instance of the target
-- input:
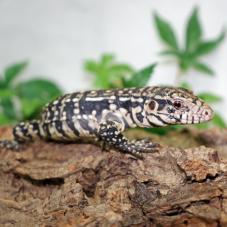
(171, 106)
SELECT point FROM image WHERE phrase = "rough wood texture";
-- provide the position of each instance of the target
(50, 184)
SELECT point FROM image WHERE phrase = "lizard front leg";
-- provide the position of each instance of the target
(110, 133)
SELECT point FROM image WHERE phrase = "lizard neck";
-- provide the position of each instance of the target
(132, 110)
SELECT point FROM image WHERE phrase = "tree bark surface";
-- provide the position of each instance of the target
(50, 184)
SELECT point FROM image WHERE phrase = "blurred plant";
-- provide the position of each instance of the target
(107, 71)
(110, 74)
(194, 48)
(189, 56)
(23, 100)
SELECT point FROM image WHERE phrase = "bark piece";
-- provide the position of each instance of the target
(50, 184)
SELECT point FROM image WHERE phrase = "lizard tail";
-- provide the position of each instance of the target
(27, 131)
(10, 144)
(23, 132)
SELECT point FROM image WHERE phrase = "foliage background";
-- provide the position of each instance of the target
(58, 36)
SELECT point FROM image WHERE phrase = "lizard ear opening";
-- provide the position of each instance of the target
(152, 105)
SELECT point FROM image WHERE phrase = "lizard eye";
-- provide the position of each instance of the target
(177, 104)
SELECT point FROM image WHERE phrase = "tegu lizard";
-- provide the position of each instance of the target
(106, 114)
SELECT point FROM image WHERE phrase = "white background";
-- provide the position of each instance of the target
(56, 36)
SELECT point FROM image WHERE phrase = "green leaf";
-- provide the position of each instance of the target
(166, 32)
(107, 59)
(13, 71)
(174, 53)
(30, 108)
(102, 81)
(8, 108)
(108, 73)
(90, 66)
(2, 83)
(38, 88)
(119, 69)
(185, 85)
(193, 31)
(6, 93)
(4, 120)
(118, 74)
(209, 97)
(199, 66)
(37, 92)
(208, 46)
(140, 78)
(185, 61)
(219, 121)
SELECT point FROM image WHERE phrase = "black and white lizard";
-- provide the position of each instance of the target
(105, 114)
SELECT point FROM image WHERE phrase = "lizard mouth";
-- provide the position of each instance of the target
(201, 115)
(205, 115)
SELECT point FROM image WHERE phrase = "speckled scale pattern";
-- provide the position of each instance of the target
(105, 114)
(82, 113)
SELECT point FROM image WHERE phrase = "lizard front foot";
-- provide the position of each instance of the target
(146, 146)
(110, 134)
